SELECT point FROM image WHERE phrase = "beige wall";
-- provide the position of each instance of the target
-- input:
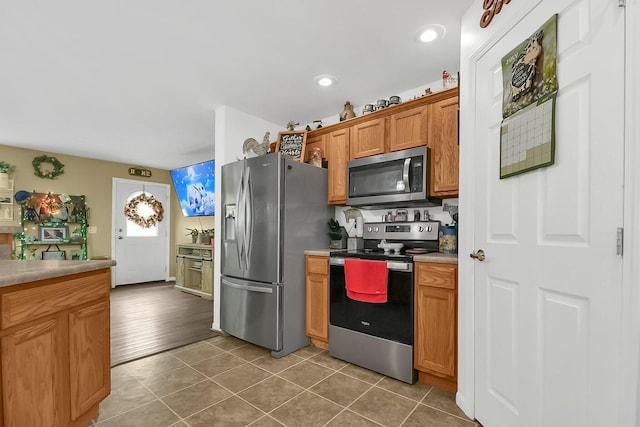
(92, 178)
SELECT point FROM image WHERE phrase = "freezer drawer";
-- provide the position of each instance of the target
(252, 311)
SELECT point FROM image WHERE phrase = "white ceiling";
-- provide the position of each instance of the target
(137, 81)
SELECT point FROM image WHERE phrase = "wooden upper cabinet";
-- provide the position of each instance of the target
(337, 148)
(408, 129)
(368, 138)
(315, 141)
(429, 120)
(443, 142)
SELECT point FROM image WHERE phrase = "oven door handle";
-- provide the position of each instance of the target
(400, 266)
(391, 265)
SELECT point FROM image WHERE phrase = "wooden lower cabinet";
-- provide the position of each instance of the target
(317, 300)
(435, 346)
(32, 372)
(90, 356)
(55, 350)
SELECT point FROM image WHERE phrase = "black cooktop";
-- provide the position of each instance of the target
(379, 254)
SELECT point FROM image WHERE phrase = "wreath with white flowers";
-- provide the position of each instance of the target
(58, 167)
(132, 210)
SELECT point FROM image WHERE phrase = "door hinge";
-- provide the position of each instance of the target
(619, 240)
(622, 3)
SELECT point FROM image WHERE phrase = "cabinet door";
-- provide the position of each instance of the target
(89, 356)
(435, 329)
(443, 142)
(315, 141)
(317, 304)
(34, 391)
(180, 271)
(207, 276)
(408, 129)
(367, 139)
(337, 146)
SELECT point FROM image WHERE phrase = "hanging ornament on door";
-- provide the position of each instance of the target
(144, 210)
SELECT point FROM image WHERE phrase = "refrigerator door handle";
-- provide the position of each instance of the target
(248, 288)
(249, 217)
(239, 221)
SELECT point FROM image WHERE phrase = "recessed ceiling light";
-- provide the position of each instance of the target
(428, 36)
(325, 80)
(430, 33)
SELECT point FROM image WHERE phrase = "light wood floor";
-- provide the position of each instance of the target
(149, 318)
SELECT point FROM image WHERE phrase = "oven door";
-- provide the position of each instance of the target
(392, 320)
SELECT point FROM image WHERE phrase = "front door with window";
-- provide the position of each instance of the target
(141, 253)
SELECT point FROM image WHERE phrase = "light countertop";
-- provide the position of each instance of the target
(17, 272)
(437, 257)
(431, 257)
(321, 252)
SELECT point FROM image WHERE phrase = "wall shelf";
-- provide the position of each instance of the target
(48, 210)
(6, 202)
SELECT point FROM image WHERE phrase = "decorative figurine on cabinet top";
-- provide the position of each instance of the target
(347, 113)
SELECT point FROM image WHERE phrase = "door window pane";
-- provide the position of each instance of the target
(144, 210)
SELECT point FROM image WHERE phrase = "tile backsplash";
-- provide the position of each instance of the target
(376, 215)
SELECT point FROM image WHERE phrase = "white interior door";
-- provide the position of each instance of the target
(548, 294)
(141, 253)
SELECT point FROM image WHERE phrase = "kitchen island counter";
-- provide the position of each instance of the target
(17, 272)
(55, 338)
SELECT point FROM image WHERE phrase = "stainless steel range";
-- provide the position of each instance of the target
(379, 335)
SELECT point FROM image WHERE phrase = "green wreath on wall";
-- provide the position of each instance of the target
(58, 167)
(132, 211)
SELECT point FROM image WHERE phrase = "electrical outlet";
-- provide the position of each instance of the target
(92, 229)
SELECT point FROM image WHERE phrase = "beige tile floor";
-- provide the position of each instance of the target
(224, 381)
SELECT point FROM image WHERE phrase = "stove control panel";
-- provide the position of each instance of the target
(419, 230)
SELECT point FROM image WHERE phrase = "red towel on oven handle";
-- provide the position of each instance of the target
(366, 280)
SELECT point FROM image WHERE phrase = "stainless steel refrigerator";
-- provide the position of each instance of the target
(274, 209)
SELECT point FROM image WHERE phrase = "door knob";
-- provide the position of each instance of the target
(479, 255)
(120, 238)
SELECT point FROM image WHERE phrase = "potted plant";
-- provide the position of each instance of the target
(5, 170)
(194, 234)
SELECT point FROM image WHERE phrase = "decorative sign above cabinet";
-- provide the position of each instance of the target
(140, 172)
(292, 144)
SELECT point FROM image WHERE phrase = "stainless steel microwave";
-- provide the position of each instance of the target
(398, 179)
